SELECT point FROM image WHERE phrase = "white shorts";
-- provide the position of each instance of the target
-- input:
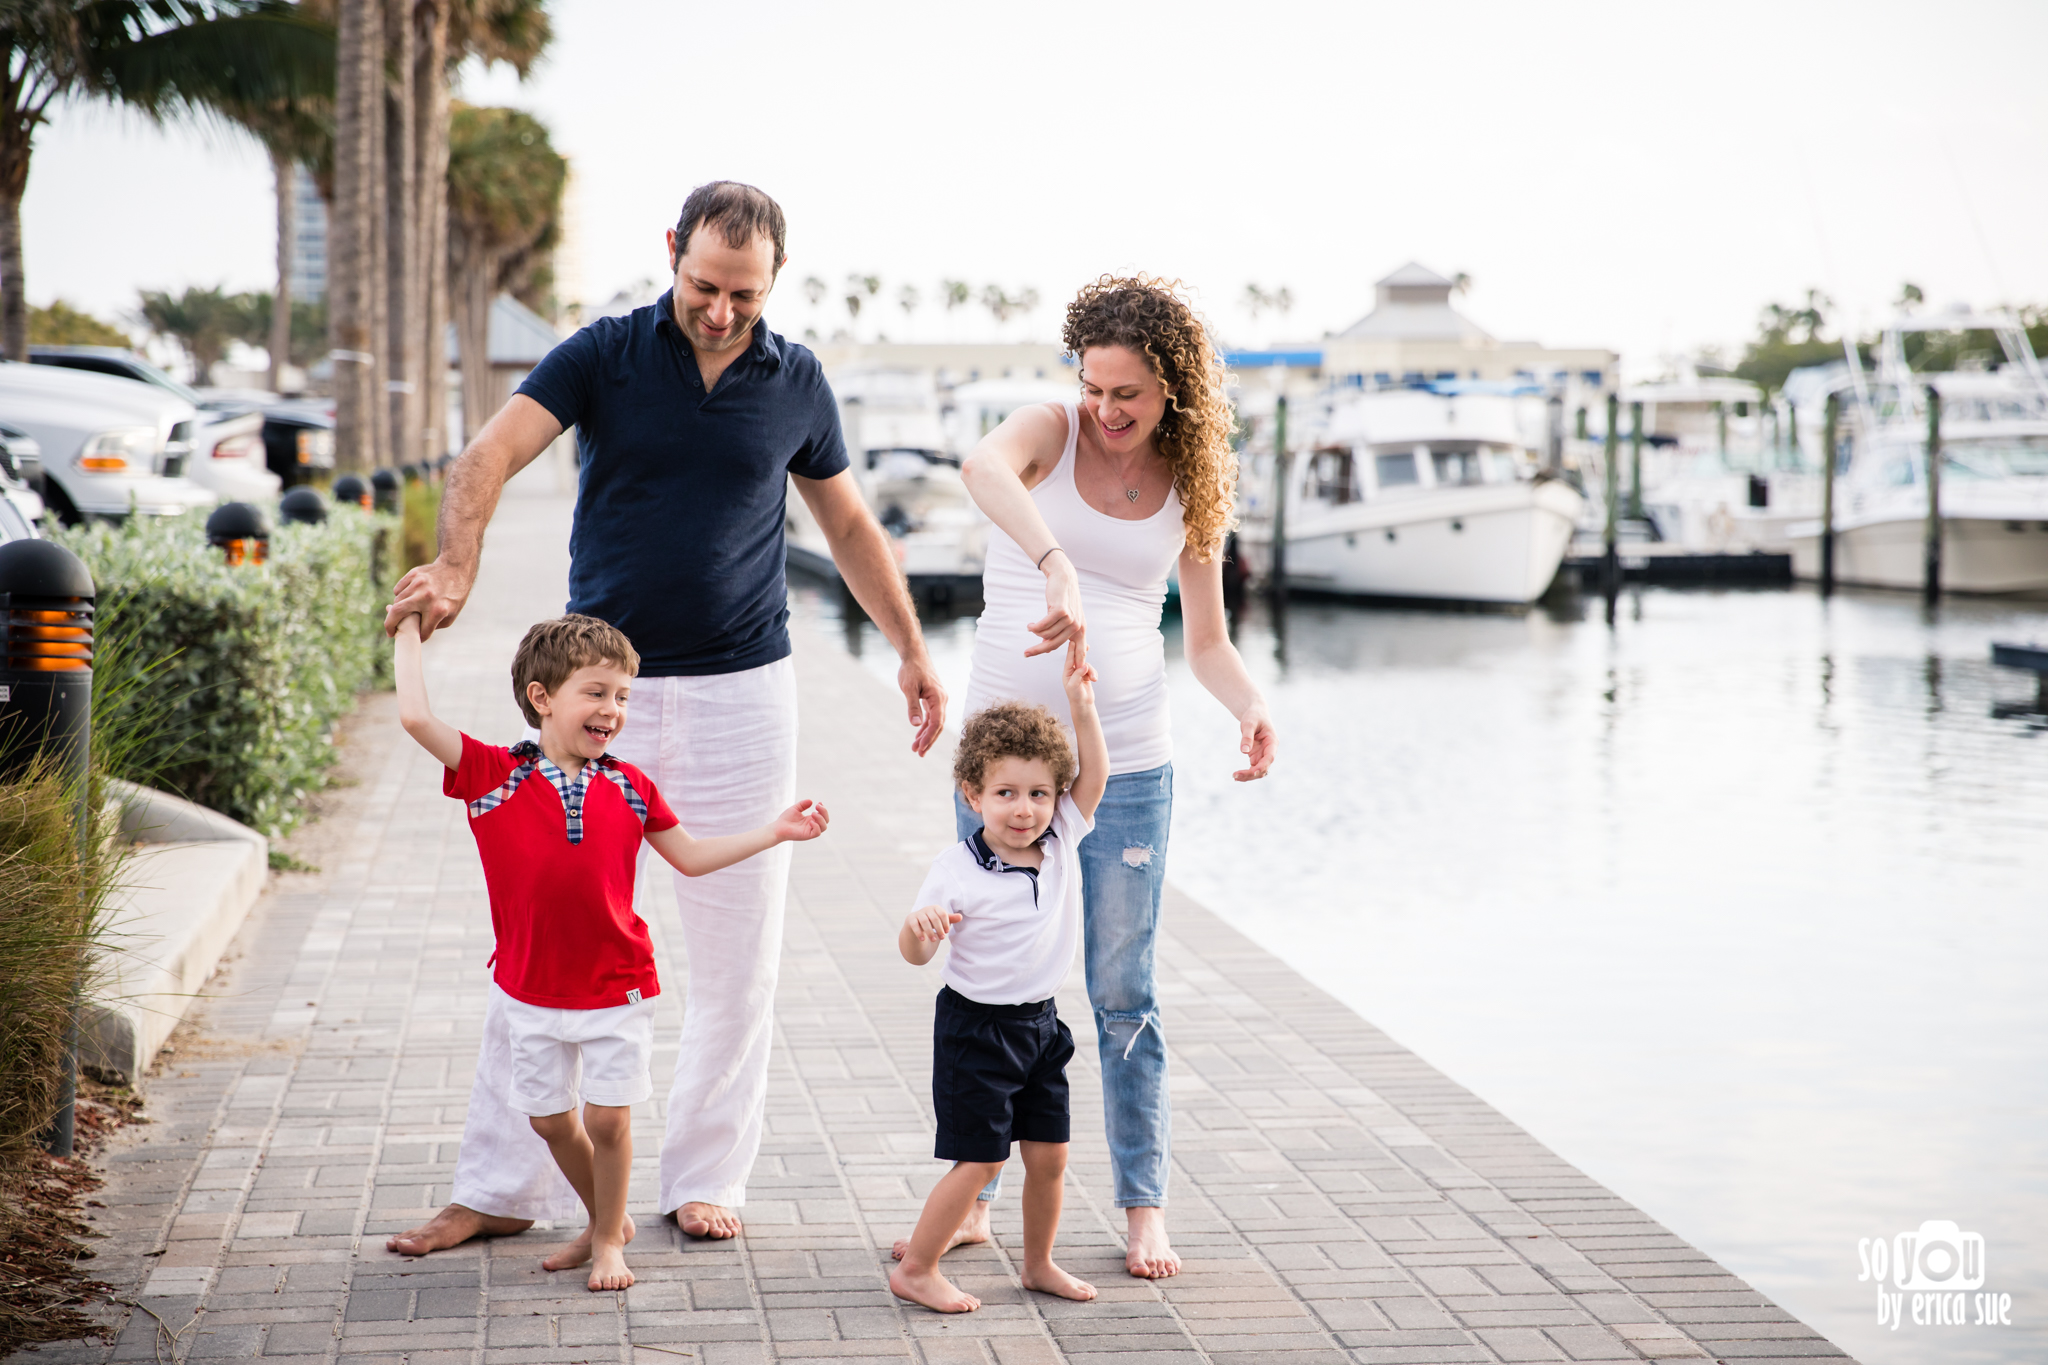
(603, 1054)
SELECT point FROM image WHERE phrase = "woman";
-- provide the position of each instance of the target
(1095, 503)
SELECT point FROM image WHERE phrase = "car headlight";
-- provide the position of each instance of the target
(119, 451)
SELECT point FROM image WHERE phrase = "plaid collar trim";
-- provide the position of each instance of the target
(574, 792)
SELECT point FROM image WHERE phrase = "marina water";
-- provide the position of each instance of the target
(1737, 903)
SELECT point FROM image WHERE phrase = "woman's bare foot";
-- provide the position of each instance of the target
(453, 1226)
(1053, 1280)
(608, 1269)
(973, 1229)
(576, 1253)
(707, 1220)
(1147, 1253)
(931, 1289)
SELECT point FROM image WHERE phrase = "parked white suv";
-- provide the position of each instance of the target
(110, 446)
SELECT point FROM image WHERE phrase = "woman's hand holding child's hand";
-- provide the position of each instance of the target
(804, 820)
(929, 923)
(1079, 679)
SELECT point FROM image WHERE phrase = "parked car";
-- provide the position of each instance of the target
(229, 454)
(109, 446)
(298, 434)
(21, 478)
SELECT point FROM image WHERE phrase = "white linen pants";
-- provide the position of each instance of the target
(722, 749)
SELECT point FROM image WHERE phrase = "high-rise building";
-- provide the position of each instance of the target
(309, 243)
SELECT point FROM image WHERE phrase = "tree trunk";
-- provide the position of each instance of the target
(17, 129)
(474, 272)
(350, 310)
(376, 269)
(430, 115)
(287, 171)
(402, 229)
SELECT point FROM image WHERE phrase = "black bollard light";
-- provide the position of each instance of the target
(384, 486)
(239, 531)
(303, 504)
(349, 488)
(46, 607)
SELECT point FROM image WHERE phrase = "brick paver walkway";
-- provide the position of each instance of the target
(1335, 1198)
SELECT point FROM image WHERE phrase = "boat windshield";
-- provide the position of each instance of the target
(1394, 471)
(2023, 457)
(1463, 467)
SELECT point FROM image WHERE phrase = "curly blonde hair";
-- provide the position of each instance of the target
(1012, 729)
(1147, 316)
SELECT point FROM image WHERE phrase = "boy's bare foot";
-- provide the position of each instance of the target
(707, 1220)
(973, 1229)
(577, 1252)
(1147, 1253)
(608, 1269)
(453, 1226)
(931, 1289)
(1053, 1280)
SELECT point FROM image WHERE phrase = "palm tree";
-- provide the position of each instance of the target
(860, 288)
(202, 322)
(505, 188)
(352, 276)
(165, 58)
(907, 299)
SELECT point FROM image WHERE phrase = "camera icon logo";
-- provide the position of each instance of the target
(1939, 1257)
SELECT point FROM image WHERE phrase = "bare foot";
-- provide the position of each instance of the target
(577, 1252)
(453, 1226)
(608, 1269)
(973, 1229)
(707, 1220)
(931, 1289)
(1147, 1253)
(1053, 1280)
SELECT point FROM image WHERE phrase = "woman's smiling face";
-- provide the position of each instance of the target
(1123, 394)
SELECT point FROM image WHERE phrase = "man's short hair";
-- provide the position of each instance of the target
(739, 211)
(1012, 729)
(554, 650)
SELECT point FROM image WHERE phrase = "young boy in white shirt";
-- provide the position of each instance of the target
(1008, 900)
(558, 825)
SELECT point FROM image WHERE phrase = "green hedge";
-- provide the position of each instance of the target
(227, 682)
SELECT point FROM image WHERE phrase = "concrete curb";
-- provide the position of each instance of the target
(184, 894)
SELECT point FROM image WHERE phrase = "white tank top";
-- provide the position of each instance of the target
(1123, 567)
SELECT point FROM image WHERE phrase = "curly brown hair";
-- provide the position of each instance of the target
(1012, 729)
(553, 650)
(1147, 316)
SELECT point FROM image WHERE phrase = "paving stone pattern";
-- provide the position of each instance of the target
(1335, 1198)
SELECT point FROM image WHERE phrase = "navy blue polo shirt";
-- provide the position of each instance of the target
(680, 502)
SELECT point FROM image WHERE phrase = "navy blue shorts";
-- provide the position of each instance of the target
(999, 1075)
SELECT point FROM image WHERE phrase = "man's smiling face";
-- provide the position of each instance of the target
(721, 289)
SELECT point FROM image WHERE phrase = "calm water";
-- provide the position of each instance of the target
(1738, 903)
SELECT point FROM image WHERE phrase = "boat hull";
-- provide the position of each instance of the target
(1978, 554)
(1490, 543)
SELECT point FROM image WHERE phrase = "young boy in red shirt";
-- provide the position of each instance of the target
(559, 825)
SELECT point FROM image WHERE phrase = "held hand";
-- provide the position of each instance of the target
(929, 924)
(408, 629)
(927, 700)
(436, 592)
(805, 820)
(1064, 623)
(1079, 679)
(1257, 742)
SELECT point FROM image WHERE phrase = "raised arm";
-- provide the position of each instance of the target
(1218, 666)
(435, 735)
(860, 547)
(508, 443)
(1000, 473)
(1091, 749)
(693, 857)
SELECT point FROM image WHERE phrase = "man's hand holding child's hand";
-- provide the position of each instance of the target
(804, 820)
(929, 923)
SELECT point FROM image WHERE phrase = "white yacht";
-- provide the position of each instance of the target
(1415, 493)
(1994, 469)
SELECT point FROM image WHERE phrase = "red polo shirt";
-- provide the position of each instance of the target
(563, 912)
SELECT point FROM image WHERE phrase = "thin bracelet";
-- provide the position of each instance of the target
(1047, 555)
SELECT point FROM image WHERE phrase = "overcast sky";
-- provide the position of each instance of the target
(1636, 176)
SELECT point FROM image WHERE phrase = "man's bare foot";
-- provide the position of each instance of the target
(453, 1226)
(707, 1220)
(608, 1269)
(577, 1252)
(1053, 1280)
(973, 1229)
(931, 1289)
(1147, 1253)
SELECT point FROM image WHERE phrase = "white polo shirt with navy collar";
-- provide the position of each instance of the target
(1019, 926)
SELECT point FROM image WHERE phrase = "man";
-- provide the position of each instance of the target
(690, 415)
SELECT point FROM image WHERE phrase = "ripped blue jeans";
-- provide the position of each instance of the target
(1123, 869)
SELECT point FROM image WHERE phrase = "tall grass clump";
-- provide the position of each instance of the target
(227, 681)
